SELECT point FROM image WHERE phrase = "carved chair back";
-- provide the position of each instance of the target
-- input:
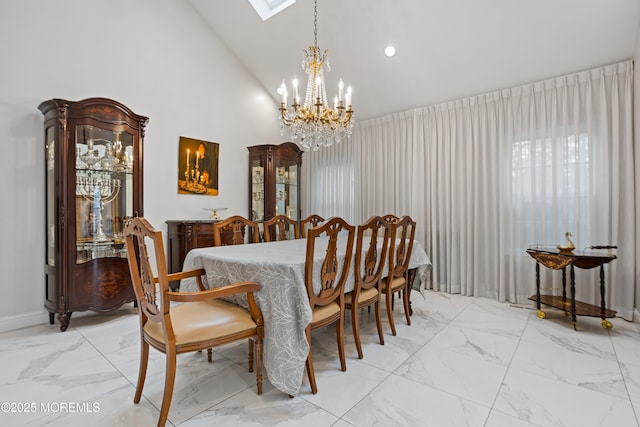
(401, 245)
(309, 222)
(232, 231)
(369, 260)
(283, 227)
(334, 271)
(150, 292)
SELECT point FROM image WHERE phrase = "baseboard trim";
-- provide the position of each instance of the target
(9, 323)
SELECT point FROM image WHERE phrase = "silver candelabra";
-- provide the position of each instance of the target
(99, 191)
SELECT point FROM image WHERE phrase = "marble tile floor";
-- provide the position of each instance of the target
(463, 362)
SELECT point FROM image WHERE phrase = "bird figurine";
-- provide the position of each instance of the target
(567, 249)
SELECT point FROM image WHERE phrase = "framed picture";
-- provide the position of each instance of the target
(198, 167)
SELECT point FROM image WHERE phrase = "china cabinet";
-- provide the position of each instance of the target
(274, 182)
(93, 186)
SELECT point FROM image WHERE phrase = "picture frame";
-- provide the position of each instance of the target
(198, 167)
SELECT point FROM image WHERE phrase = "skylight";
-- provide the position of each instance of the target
(267, 8)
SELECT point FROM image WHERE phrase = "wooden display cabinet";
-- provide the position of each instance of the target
(93, 185)
(274, 182)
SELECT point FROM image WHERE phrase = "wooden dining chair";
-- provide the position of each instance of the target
(397, 280)
(201, 322)
(368, 269)
(325, 284)
(232, 231)
(283, 226)
(309, 222)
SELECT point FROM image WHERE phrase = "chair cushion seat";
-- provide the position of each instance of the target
(364, 295)
(203, 320)
(397, 283)
(322, 312)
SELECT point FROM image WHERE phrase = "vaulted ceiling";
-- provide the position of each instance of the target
(446, 49)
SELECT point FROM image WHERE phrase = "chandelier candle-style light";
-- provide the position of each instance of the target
(315, 124)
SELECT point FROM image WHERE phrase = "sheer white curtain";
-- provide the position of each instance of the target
(487, 176)
(328, 182)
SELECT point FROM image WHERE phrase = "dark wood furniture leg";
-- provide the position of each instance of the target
(565, 303)
(572, 276)
(64, 319)
(540, 313)
(603, 307)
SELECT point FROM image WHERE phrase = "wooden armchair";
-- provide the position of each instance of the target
(201, 322)
(327, 301)
(308, 222)
(281, 225)
(368, 268)
(232, 231)
(400, 247)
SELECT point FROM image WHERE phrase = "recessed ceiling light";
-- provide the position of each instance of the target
(390, 51)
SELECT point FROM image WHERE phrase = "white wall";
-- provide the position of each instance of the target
(155, 56)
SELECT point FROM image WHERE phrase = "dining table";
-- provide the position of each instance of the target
(279, 268)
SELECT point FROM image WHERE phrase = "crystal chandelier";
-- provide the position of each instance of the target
(315, 124)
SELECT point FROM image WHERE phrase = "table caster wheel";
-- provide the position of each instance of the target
(606, 324)
(575, 326)
(541, 314)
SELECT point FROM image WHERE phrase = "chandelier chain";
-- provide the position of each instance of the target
(315, 24)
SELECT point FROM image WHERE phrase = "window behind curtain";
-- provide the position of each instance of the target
(551, 187)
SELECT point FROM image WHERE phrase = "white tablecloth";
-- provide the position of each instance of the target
(279, 268)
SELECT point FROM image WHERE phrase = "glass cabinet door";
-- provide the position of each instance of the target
(104, 191)
(50, 153)
(257, 191)
(286, 189)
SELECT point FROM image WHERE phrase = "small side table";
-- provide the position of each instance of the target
(556, 260)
